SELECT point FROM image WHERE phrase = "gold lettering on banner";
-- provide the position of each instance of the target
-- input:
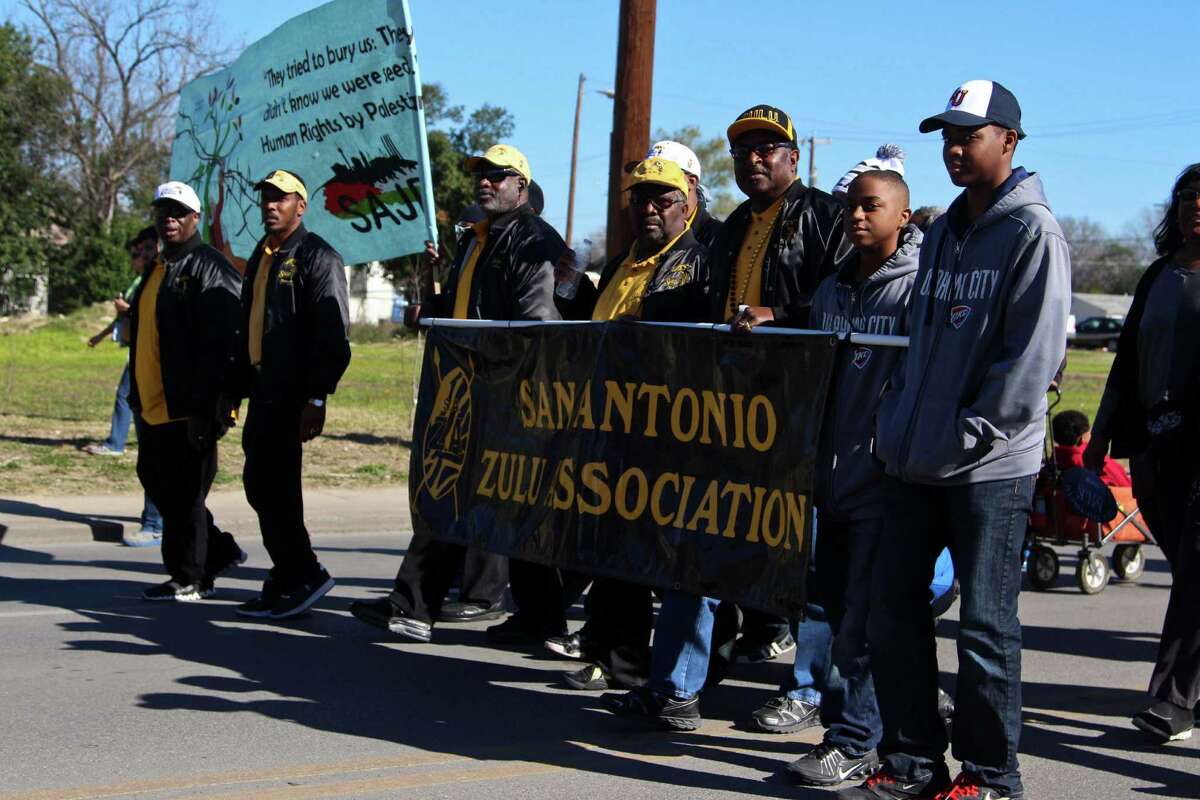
(622, 402)
(656, 497)
(653, 392)
(635, 511)
(594, 476)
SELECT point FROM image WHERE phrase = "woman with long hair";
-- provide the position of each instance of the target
(1150, 413)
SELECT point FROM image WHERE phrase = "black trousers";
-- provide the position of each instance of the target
(271, 441)
(484, 576)
(177, 477)
(430, 567)
(1174, 519)
(617, 633)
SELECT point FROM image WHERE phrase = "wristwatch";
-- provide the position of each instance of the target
(316, 401)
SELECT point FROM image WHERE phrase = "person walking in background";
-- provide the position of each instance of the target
(142, 250)
(294, 347)
(1149, 414)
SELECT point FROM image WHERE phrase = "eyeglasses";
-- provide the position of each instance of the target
(660, 203)
(763, 151)
(494, 176)
(1188, 195)
(172, 210)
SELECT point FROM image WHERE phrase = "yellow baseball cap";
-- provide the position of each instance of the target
(284, 181)
(762, 118)
(658, 171)
(502, 155)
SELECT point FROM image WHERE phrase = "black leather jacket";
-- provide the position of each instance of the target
(198, 327)
(806, 245)
(678, 292)
(306, 344)
(706, 227)
(514, 275)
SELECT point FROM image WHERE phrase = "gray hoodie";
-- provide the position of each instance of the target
(968, 402)
(848, 476)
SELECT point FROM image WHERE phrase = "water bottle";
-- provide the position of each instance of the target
(567, 274)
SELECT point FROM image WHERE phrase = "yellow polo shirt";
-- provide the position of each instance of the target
(466, 277)
(623, 294)
(147, 361)
(746, 288)
(258, 306)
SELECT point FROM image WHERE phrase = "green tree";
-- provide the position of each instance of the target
(716, 167)
(29, 130)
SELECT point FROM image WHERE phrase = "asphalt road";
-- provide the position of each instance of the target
(102, 695)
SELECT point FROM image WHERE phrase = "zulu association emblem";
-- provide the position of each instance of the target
(677, 276)
(957, 98)
(958, 315)
(861, 356)
(287, 272)
(447, 433)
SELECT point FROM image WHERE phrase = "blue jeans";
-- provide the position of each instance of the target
(151, 519)
(810, 672)
(682, 644)
(122, 416)
(984, 525)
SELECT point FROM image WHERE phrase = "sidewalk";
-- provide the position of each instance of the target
(61, 520)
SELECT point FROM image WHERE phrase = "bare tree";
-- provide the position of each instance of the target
(126, 63)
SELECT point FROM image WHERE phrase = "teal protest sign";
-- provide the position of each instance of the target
(333, 95)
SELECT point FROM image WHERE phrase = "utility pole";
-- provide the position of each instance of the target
(574, 161)
(631, 111)
(812, 141)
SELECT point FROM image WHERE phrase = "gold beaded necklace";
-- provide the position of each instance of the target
(735, 297)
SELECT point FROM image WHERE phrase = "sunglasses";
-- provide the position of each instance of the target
(660, 203)
(763, 151)
(1188, 195)
(172, 210)
(494, 176)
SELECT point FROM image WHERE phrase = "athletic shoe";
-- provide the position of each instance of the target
(754, 651)
(592, 678)
(784, 715)
(299, 599)
(383, 613)
(570, 646)
(102, 450)
(470, 612)
(178, 592)
(1166, 721)
(142, 538)
(234, 560)
(829, 765)
(261, 605)
(516, 630)
(968, 786)
(882, 786)
(661, 712)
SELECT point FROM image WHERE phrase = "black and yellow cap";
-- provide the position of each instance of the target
(660, 172)
(284, 181)
(502, 155)
(762, 118)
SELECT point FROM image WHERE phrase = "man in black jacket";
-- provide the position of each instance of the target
(504, 271)
(183, 326)
(294, 348)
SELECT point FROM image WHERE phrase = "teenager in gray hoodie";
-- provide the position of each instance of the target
(869, 294)
(960, 431)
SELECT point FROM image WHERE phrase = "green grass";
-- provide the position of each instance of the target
(56, 395)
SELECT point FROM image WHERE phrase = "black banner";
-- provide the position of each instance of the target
(675, 457)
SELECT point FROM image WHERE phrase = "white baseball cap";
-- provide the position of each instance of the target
(680, 154)
(180, 192)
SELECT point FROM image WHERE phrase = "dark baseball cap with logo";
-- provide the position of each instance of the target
(978, 103)
(762, 118)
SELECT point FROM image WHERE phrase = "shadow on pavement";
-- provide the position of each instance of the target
(105, 528)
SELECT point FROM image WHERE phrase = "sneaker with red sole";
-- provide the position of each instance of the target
(968, 787)
(882, 786)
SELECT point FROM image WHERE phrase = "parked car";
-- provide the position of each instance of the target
(1096, 332)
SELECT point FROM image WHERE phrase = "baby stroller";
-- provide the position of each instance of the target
(1073, 507)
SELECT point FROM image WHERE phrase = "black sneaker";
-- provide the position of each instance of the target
(234, 560)
(829, 765)
(516, 630)
(882, 786)
(755, 651)
(570, 646)
(662, 712)
(592, 678)
(967, 785)
(383, 613)
(470, 612)
(784, 715)
(1166, 721)
(299, 599)
(261, 605)
(173, 591)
